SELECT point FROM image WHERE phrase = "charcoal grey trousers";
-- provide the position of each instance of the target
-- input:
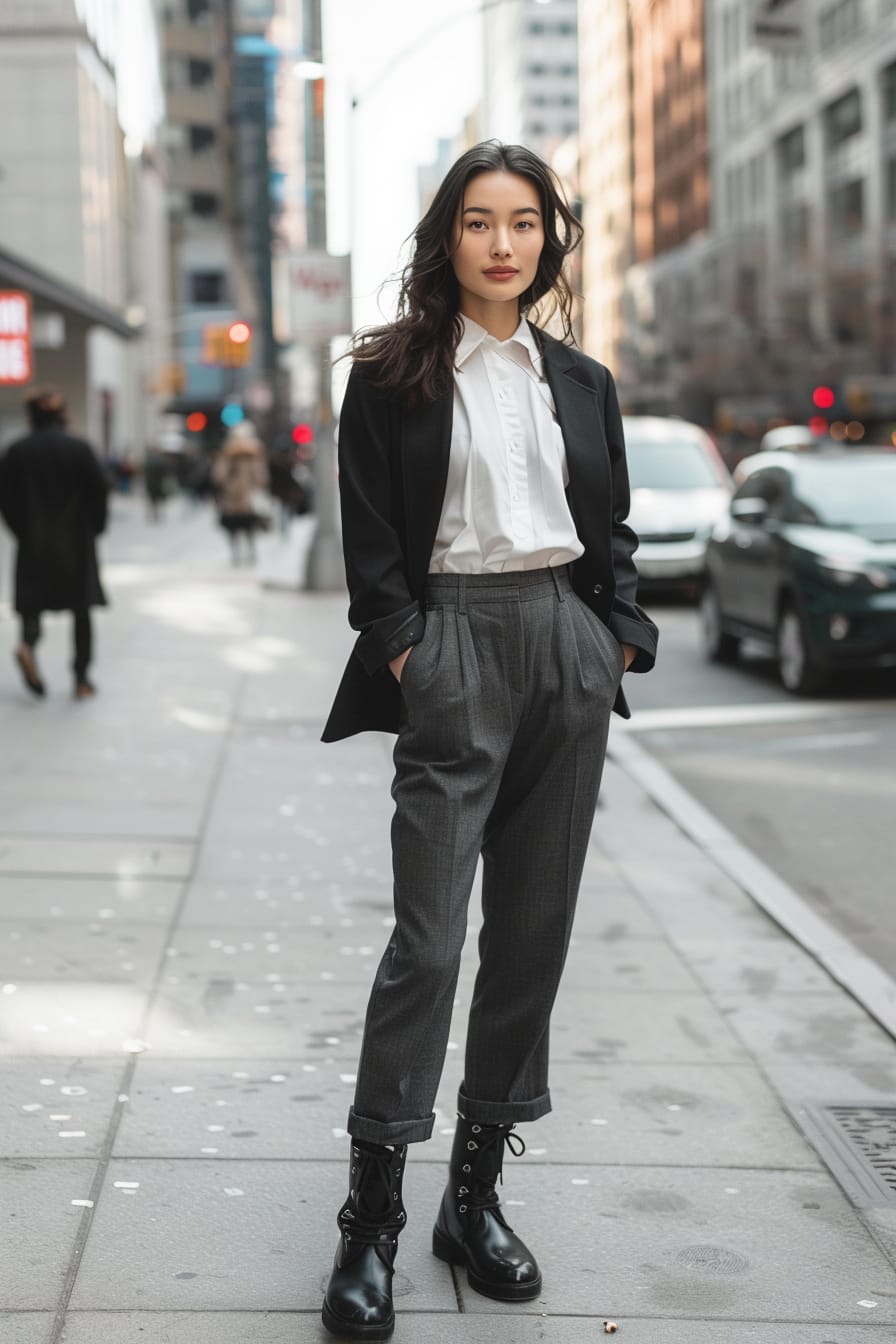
(506, 707)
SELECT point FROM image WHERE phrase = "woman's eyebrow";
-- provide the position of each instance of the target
(483, 210)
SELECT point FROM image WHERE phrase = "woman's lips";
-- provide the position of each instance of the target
(501, 273)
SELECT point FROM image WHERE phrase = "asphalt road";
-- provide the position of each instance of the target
(809, 785)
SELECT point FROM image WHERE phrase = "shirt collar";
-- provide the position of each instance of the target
(473, 336)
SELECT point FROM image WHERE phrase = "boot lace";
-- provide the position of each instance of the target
(373, 1214)
(487, 1142)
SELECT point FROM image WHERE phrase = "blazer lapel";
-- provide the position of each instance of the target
(582, 423)
(425, 450)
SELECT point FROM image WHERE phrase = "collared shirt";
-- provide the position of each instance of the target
(505, 506)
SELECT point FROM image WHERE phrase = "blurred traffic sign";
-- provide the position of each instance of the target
(15, 338)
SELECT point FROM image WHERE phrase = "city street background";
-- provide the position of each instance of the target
(200, 201)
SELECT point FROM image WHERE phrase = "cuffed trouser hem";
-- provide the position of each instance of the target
(503, 1112)
(394, 1131)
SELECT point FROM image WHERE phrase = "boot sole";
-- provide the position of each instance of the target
(347, 1330)
(443, 1248)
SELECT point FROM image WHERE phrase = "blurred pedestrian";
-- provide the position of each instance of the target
(240, 476)
(484, 494)
(53, 499)
(157, 482)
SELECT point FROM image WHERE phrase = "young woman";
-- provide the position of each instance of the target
(484, 495)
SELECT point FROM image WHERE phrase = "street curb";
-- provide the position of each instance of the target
(861, 977)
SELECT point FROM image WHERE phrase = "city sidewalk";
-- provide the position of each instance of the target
(194, 894)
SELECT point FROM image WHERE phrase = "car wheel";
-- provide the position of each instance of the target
(798, 673)
(718, 645)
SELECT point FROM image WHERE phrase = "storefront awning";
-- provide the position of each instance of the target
(45, 289)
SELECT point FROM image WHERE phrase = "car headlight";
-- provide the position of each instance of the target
(847, 571)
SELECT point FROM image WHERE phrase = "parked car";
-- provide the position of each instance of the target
(806, 558)
(680, 489)
(789, 439)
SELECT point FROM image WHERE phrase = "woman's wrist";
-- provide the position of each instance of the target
(396, 665)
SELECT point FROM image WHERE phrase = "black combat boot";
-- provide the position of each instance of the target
(358, 1301)
(471, 1230)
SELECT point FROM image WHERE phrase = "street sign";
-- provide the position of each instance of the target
(15, 338)
(319, 296)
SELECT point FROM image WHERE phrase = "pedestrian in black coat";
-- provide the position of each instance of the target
(53, 500)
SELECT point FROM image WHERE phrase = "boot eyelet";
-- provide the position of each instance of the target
(472, 1147)
(477, 1129)
(462, 1208)
(467, 1166)
(395, 1196)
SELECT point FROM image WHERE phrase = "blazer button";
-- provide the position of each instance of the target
(598, 589)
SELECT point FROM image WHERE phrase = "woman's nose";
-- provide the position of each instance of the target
(501, 245)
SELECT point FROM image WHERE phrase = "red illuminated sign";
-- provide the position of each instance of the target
(15, 338)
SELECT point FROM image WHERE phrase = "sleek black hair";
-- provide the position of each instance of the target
(413, 357)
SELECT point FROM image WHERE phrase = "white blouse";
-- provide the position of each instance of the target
(505, 505)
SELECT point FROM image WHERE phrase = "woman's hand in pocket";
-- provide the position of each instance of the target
(396, 666)
(629, 653)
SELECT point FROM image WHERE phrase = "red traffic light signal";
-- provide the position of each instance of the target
(302, 434)
(823, 398)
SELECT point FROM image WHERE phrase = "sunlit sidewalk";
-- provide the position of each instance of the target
(194, 893)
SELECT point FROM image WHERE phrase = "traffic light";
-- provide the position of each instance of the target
(823, 397)
(239, 333)
(230, 345)
(302, 434)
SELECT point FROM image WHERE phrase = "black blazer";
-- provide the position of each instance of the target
(393, 465)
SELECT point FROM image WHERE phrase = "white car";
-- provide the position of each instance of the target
(680, 489)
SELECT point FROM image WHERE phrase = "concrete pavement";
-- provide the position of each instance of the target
(194, 893)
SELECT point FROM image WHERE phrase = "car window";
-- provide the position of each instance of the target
(670, 464)
(849, 494)
(771, 484)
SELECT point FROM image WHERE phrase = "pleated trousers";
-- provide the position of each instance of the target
(506, 708)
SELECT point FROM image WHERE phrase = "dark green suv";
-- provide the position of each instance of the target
(807, 558)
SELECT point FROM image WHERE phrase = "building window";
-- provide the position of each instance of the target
(200, 73)
(889, 86)
(204, 204)
(846, 209)
(791, 152)
(202, 138)
(843, 119)
(795, 231)
(757, 183)
(891, 190)
(839, 24)
(207, 287)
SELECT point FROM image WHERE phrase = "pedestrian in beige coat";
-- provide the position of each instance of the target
(240, 474)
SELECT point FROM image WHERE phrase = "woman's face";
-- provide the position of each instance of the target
(499, 237)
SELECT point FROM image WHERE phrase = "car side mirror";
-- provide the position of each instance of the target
(749, 510)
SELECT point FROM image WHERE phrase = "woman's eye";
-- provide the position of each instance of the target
(475, 224)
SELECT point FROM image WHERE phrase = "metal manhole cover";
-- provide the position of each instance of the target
(858, 1143)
